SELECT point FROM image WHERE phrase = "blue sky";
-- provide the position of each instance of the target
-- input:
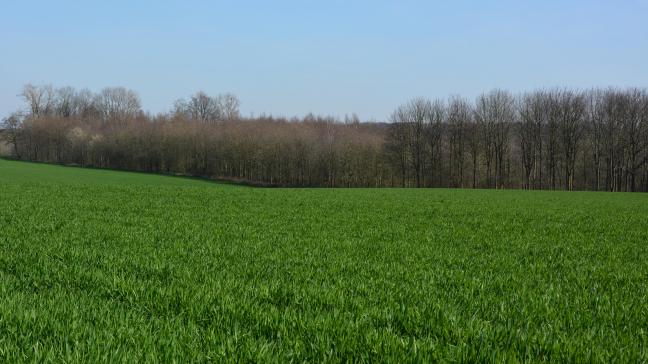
(326, 57)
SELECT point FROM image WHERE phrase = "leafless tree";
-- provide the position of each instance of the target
(459, 117)
(397, 145)
(118, 103)
(208, 109)
(65, 102)
(571, 108)
(32, 96)
(496, 113)
(415, 117)
(473, 138)
(229, 105)
(12, 124)
(595, 125)
(544, 139)
(533, 116)
(434, 138)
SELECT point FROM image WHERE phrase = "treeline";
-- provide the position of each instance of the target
(546, 139)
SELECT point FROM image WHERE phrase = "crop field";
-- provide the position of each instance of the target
(104, 266)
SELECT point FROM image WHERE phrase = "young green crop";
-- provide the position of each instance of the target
(102, 266)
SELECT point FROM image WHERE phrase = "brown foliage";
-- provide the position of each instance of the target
(563, 139)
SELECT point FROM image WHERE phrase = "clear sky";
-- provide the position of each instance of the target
(327, 57)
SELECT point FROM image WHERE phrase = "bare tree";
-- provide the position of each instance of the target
(496, 112)
(118, 103)
(397, 144)
(208, 109)
(434, 137)
(553, 119)
(532, 112)
(12, 125)
(35, 99)
(229, 105)
(594, 122)
(597, 139)
(633, 128)
(409, 120)
(473, 138)
(49, 100)
(570, 112)
(459, 117)
(614, 109)
(85, 105)
(65, 102)
(204, 108)
(416, 115)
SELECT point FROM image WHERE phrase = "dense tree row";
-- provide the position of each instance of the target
(546, 139)
(557, 139)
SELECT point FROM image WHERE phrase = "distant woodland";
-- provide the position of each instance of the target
(557, 139)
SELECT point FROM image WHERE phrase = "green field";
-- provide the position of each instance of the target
(103, 266)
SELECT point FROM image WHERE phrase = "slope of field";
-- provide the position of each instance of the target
(12, 172)
(148, 270)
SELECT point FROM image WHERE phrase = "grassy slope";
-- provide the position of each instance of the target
(156, 272)
(12, 172)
